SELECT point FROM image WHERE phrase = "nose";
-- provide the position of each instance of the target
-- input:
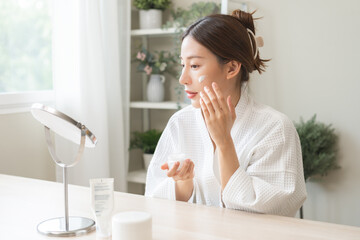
(185, 79)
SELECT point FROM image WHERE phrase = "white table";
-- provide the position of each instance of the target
(25, 202)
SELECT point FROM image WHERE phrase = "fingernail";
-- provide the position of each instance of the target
(206, 88)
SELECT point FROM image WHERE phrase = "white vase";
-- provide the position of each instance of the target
(155, 88)
(151, 18)
(147, 159)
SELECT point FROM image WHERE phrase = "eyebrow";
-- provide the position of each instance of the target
(190, 57)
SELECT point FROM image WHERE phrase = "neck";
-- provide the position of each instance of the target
(235, 96)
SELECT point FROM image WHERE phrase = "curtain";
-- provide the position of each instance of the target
(90, 83)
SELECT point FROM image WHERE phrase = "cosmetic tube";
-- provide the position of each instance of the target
(102, 203)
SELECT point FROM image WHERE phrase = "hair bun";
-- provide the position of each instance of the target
(244, 18)
(247, 21)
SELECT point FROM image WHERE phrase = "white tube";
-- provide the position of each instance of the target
(102, 203)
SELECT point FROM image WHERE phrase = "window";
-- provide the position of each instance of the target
(25, 50)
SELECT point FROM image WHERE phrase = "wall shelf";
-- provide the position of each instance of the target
(138, 176)
(156, 32)
(147, 36)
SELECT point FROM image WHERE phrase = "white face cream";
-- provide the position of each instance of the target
(201, 78)
(173, 158)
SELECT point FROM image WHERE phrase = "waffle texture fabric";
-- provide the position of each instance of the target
(270, 178)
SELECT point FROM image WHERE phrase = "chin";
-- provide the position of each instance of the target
(195, 103)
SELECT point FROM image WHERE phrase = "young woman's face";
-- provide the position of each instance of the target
(200, 69)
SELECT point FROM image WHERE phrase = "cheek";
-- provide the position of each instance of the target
(210, 74)
(206, 75)
(201, 78)
(207, 80)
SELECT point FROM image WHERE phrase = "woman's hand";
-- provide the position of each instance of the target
(183, 179)
(185, 173)
(219, 117)
(219, 114)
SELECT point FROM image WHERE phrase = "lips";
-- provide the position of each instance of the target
(191, 94)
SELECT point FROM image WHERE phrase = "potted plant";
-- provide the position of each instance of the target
(156, 65)
(151, 12)
(146, 141)
(319, 146)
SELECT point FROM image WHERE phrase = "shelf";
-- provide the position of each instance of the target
(157, 105)
(153, 32)
(138, 176)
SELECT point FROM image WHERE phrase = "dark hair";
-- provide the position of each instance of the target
(227, 37)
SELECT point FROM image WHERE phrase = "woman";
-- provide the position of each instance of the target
(240, 154)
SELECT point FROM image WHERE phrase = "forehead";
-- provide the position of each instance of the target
(190, 48)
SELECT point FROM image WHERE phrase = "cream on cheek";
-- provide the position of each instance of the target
(201, 78)
(204, 81)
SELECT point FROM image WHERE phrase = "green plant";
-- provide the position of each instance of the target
(158, 63)
(146, 141)
(185, 17)
(182, 18)
(152, 4)
(319, 145)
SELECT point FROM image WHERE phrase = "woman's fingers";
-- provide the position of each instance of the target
(183, 169)
(191, 172)
(207, 102)
(204, 108)
(213, 99)
(186, 172)
(173, 171)
(220, 97)
(165, 166)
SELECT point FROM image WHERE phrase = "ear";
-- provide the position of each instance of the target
(233, 68)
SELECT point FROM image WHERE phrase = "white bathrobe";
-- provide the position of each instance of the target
(270, 178)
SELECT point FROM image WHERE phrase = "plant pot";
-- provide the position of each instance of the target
(155, 88)
(151, 18)
(147, 159)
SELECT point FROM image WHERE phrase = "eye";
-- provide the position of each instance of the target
(182, 65)
(194, 66)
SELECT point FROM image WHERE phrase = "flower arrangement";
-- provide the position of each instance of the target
(152, 4)
(162, 62)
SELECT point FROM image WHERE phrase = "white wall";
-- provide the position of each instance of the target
(315, 52)
(23, 150)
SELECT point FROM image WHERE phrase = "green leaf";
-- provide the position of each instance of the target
(152, 4)
(319, 145)
(146, 141)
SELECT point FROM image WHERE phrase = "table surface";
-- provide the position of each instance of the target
(25, 202)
